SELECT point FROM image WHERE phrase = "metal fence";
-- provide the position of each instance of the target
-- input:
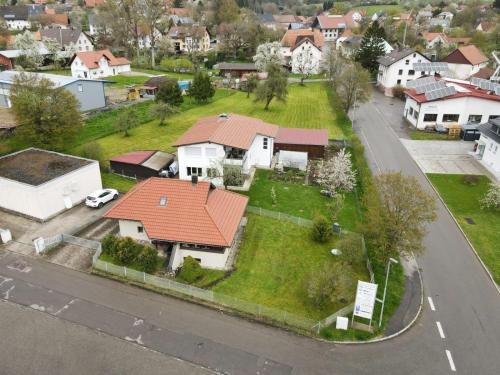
(279, 216)
(52, 242)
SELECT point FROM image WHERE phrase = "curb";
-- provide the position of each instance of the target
(488, 273)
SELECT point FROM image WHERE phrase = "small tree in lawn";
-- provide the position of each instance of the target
(352, 85)
(335, 205)
(201, 88)
(336, 174)
(351, 247)
(330, 283)
(305, 63)
(492, 198)
(30, 57)
(252, 82)
(127, 119)
(163, 111)
(275, 86)
(321, 230)
(169, 92)
(268, 53)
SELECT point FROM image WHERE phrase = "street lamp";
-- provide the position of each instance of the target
(391, 260)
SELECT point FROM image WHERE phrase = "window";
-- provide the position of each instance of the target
(264, 143)
(450, 118)
(430, 117)
(414, 55)
(407, 62)
(400, 72)
(211, 151)
(193, 151)
(140, 229)
(411, 72)
(492, 117)
(411, 111)
(475, 119)
(422, 73)
(415, 114)
(398, 81)
(163, 201)
(80, 87)
(194, 171)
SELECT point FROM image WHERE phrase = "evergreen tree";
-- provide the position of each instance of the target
(201, 88)
(169, 92)
(371, 48)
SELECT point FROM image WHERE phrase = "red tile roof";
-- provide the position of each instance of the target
(431, 36)
(91, 58)
(135, 157)
(193, 213)
(332, 22)
(470, 53)
(234, 130)
(292, 37)
(297, 136)
(471, 91)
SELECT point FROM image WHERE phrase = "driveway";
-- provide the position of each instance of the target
(449, 157)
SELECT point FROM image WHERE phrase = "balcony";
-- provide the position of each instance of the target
(235, 157)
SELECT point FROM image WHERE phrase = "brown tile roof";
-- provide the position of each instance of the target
(193, 213)
(298, 136)
(487, 25)
(470, 53)
(484, 73)
(181, 12)
(292, 37)
(91, 58)
(235, 131)
(332, 22)
(431, 36)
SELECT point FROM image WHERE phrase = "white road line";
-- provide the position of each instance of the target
(371, 151)
(450, 360)
(440, 329)
(431, 304)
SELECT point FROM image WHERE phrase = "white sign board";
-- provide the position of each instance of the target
(365, 299)
(342, 323)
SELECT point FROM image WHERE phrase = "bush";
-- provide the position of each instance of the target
(492, 198)
(321, 229)
(93, 150)
(201, 89)
(233, 176)
(127, 251)
(352, 248)
(470, 179)
(399, 92)
(176, 65)
(169, 92)
(109, 245)
(191, 270)
(333, 282)
(148, 259)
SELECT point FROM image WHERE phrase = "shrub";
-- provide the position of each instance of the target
(470, 179)
(148, 259)
(191, 270)
(492, 198)
(233, 176)
(201, 89)
(352, 248)
(176, 65)
(321, 229)
(399, 92)
(333, 282)
(93, 150)
(169, 92)
(109, 245)
(127, 251)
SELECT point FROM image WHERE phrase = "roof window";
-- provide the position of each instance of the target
(163, 201)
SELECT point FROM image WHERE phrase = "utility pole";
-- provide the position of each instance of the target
(406, 26)
(391, 260)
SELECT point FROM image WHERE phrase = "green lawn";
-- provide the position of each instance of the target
(62, 72)
(425, 136)
(123, 81)
(179, 76)
(273, 265)
(296, 199)
(208, 277)
(463, 201)
(372, 9)
(122, 184)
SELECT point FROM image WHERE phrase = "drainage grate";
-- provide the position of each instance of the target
(469, 220)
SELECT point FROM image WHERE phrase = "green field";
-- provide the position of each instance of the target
(418, 135)
(122, 184)
(273, 265)
(372, 9)
(463, 201)
(179, 76)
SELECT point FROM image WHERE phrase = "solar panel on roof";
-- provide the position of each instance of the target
(420, 82)
(440, 92)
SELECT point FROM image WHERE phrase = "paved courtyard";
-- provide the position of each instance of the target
(448, 157)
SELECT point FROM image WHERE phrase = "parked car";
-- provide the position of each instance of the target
(100, 197)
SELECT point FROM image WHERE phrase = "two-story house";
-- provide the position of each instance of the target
(302, 46)
(465, 61)
(488, 146)
(98, 64)
(189, 38)
(331, 26)
(18, 17)
(69, 39)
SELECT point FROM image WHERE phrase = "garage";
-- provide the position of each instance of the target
(41, 184)
(141, 164)
(311, 141)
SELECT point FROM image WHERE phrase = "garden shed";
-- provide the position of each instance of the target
(141, 164)
(41, 184)
(311, 141)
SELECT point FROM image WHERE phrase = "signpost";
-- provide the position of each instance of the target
(366, 293)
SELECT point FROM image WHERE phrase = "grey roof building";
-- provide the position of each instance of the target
(20, 12)
(395, 56)
(66, 37)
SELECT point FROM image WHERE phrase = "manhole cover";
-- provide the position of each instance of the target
(469, 220)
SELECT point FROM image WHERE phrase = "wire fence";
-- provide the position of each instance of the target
(279, 216)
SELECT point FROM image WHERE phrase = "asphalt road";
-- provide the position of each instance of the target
(464, 302)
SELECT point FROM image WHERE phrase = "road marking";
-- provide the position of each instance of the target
(371, 151)
(450, 360)
(440, 329)
(431, 304)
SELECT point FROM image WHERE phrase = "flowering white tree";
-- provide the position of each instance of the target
(305, 64)
(492, 198)
(30, 50)
(268, 53)
(54, 48)
(336, 174)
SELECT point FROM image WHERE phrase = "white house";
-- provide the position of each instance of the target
(331, 26)
(231, 139)
(305, 57)
(18, 17)
(465, 61)
(396, 68)
(488, 146)
(41, 184)
(69, 39)
(463, 104)
(98, 64)
(183, 218)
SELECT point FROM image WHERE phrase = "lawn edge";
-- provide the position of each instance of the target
(485, 268)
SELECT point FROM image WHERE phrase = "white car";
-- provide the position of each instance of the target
(100, 197)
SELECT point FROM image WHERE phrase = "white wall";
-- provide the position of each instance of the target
(18, 24)
(79, 70)
(47, 200)
(302, 63)
(463, 71)
(129, 228)
(491, 155)
(84, 44)
(257, 156)
(464, 107)
(208, 259)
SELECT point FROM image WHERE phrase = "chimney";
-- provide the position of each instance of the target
(223, 116)
(194, 180)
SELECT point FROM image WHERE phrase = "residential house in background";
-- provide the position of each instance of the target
(89, 93)
(235, 70)
(488, 146)
(354, 17)
(331, 26)
(348, 46)
(69, 39)
(292, 51)
(486, 26)
(183, 218)
(305, 57)
(433, 40)
(453, 102)
(98, 64)
(465, 61)
(187, 39)
(18, 17)
(396, 68)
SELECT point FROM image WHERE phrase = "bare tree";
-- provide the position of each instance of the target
(304, 63)
(353, 85)
(152, 12)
